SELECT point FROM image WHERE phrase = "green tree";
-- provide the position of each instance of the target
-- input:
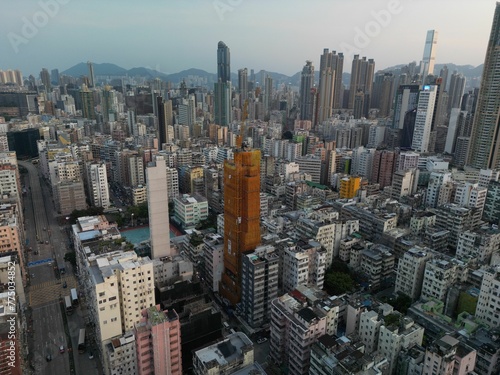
(337, 283)
(70, 257)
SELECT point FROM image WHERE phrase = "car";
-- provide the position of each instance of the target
(46, 242)
(65, 284)
(261, 340)
(61, 349)
(48, 358)
(44, 228)
(91, 355)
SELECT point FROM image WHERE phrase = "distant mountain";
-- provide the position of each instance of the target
(104, 69)
(145, 72)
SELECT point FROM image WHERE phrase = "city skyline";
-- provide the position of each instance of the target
(35, 32)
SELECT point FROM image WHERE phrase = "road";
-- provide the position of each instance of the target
(50, 240)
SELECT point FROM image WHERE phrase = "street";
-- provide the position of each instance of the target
(45, 260)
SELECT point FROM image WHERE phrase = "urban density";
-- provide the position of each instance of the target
(247, 222)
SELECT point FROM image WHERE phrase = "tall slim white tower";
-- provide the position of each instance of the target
(427, 63)
(159, 223)
(423, 121)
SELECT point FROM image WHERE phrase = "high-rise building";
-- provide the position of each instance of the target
(410, 273)
(45, 78)
(425, 115)
(164, 119)
(243, 86)
(406, 100)
(429, 58)
(362, 72)
(456, 91)
(97, 185)
(158, 342)
(222, 103)
(88, 104)
(223, 63)
(54, 77)
(159, 222)
(241, 217)
(326, 90)
(484, 149)
(90, 66)
(488, 303)
(306, 85)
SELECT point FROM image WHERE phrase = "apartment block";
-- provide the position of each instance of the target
(401, 334)
(440, 274)
(294, 328)
(213, 256)
(449, 356)
(488, 305)
(479, 244)
(303, 264)
(190, 210)
(259, 284)
(370, 322)
(158, 342)
(119, 355)
(234, 353)
(410, 274)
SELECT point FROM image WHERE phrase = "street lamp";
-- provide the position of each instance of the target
(132, 219)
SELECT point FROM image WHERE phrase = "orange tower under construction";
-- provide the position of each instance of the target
(241, 218)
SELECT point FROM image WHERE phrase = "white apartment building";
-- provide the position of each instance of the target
(370, 322)
(303, 264)
(172, 183)
(294, 328)
(400, 335)
(488, 305)
(436, 182)
(440, 274)
(471, 196)
(410, 274)
(190, 209)
(97, 185)
(479, 244)
(423, 121)
(404, 183)
(120, 356)
(213, 255)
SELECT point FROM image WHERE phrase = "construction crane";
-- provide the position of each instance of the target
(243, 127)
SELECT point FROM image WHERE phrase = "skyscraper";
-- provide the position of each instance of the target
(306, 84)
(423, 122)
(45, 77)
(326, 86)
(90, 65)
(362, 72)
(429, 58)
(223, 63)
(164, 109)
(241, 218)
(159, 222)
(484, 150)
(222, 88)
(456, 91)
(243, 85)
(88, 105)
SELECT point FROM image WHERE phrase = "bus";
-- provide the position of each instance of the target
(69, 305)
(81, 341)
(74, 297)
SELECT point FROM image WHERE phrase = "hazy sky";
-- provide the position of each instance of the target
(274, 35)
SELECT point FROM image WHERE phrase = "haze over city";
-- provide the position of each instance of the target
(173, 36)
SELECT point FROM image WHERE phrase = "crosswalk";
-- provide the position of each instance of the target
(49, 291)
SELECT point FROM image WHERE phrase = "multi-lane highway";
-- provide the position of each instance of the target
(48, 241)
